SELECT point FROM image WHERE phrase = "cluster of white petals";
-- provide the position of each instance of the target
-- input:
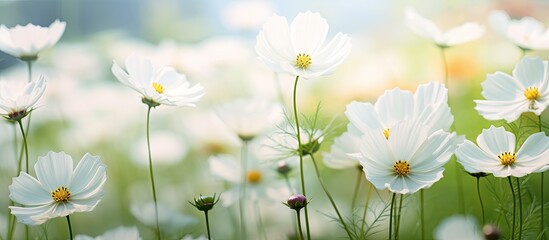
(17, 99)
(526, 33)
(27, 41)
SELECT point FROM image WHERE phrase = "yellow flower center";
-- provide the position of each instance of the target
(507, 158)
(254, 176)
(401, 168)
(158, 87)
(386, 133)
(531, 93)
(61, 194)
(303, 61)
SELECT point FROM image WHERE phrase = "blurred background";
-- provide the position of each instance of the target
(85, 109)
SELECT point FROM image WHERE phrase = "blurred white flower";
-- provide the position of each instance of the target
(410, 160)
(126, 233)
(170, 219)
(496, 154)
(507, 97)
(158, 86)
(526, 33)
(27, 41)
(458, 227)
(248, 118)
(167, 148)
(58, 190)
(18, 99)
(340, 155)
(262, 183)
(426, 28)
(190, 237)
(300, 49)
(247, 15)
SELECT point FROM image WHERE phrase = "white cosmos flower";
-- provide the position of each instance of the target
(458, 227)
(58, 190)
(158, 86)
(301, 49)
(262, 182)
(428, 29)
(27, 41)
(410, 160)
(507, 97)
(340, 156)
(18, 99)
(496, 153)
(526, 33)
(126, 233)
(250, 117)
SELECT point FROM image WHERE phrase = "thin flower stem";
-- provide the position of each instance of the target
(330, 198)
(242, 202)
(542, 229)
(480, 200)
(207, 224)
(300, 152)
(357, 188)
(299, 225)
(158, 235)
(289, 184)
(520, 208)
(397, 227)
(422, 213)
(70, 228)
(29, 68)
(514, 207)
(260, 221)
(24, 145)
(11, 218)
(391, 217)
(364, 212)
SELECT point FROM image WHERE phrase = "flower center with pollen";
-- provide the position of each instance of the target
(531, 93)
(303, 61)
(401, 168)
(386, 133)
(507, 158)
(158, 87)
(61, 194)
(254, 176)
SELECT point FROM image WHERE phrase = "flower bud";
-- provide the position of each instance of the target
(491, 232)
(283, 167)
(296, 202)
(205, 203)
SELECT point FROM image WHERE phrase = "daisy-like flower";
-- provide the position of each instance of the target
(262, 183)
(25, 42)
(127, 233)
(250, 117)
(457, 228)
(507, 97)
(17, 100)
(410, 160)
(426, 28)
(301, 49)
(58, 190)
(526, 33)
(496, 153)
(157, 85)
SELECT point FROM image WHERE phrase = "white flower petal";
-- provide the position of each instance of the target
(308, 32)
(89, 177)
(35, 215)
(26, 190)
(495, 140)
(530, 72)
(226, 167)
(464, 33)
(474, 160)
(394, 106)
(363, 116)
(54, 170)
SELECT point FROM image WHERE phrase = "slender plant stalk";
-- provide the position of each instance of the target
(365, 211)
(70, 228)
(422, 213)
(207, 224)
(330, 198)
(29, 68)
(25, 146)
(300, 152)
(514, 208)
(357, 188)
(243, 184)
(11, 218)
(299, 225)
(158, 235)
(542, 229)
(397, 227)
(520, 208)
(480, 200)
(260, 221)
(391, 217)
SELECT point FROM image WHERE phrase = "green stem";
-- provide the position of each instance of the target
(11, 218)
(24, 145)
(520, 208)
(357, 188)
(70, 228)
(480, 200)
(397, 228)
(514, 207)
(364, 212)
(542, 200)
(330, 198)
(422, 213)
(300, 152)
(158, 235)
(260, 221)
(391, 217)
(242, 205)
(207, 224)
(299, 225)
(29, 68)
